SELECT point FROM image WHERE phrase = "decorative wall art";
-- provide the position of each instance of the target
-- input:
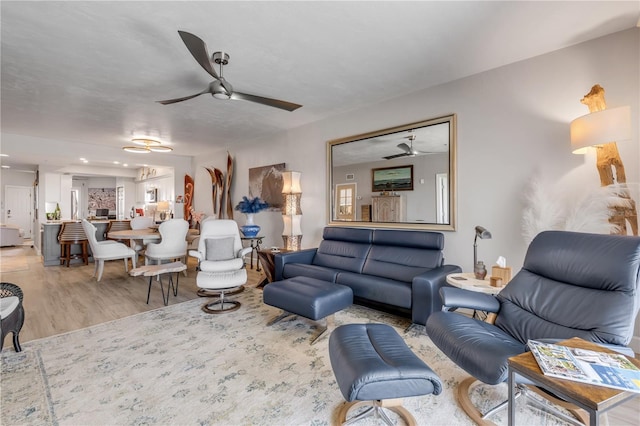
(392, 179)
(266, 182)
(102, 198)
(221, 190)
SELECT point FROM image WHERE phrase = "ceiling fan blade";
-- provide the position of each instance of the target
(403, 146)
(198, 49)
(288, 106)
(186, 98)
(390, 157)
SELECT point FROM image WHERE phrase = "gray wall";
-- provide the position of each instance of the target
(513, 123)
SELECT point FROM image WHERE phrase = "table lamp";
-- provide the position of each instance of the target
(478, 267)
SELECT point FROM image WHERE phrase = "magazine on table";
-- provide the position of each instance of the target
(587, 366)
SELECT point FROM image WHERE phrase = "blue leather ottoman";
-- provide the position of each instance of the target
(374, 366)
(308, 297)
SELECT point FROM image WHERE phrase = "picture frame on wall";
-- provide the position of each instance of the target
(398, 178)
(266, 182)
(151, 195)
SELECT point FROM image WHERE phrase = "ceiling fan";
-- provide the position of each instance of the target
(408, 150)
(221, 88)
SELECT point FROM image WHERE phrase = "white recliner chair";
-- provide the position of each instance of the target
(220, 263)
(106, 250)
(173, 244)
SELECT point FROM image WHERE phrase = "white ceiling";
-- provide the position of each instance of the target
(89, 72)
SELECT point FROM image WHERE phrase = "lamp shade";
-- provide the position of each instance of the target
(292, 225)
(291, 182)
(598, 128)
(163, 206)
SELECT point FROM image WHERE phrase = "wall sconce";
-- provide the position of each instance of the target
(479, 269)
(291, 211)
(601, 128)
(146, 145)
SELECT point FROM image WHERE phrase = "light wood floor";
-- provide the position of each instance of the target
(58, 299)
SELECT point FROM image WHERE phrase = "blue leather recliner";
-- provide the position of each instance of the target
(571, 285)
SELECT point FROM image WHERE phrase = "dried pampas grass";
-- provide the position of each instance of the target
(573, 209)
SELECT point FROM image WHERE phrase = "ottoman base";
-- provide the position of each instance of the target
(310, 298)
(327, 324)
(375, 409)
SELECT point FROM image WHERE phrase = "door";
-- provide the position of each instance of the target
(345, 201)
(18, 203)
(120, 209)
(442, 198)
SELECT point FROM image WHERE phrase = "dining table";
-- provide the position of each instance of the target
(145, 235)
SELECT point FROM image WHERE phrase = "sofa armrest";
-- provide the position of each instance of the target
(453, 298)
(300, 256)
(425, 292)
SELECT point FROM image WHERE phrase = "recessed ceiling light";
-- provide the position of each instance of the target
(6, 167)
(116, 162)
(85, 161)
(4, 155)
(125, 165)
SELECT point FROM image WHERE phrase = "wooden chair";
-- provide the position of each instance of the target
(72, 233)
(118, 225)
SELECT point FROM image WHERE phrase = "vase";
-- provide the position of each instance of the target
(250, 229)
(479, 270)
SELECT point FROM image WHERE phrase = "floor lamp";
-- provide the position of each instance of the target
(291, 211)
(601, 128)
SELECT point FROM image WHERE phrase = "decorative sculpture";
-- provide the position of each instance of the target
(608, 160)
(228, 186)
(188, 196)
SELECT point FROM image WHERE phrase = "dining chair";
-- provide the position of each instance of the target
(173, 244)
(106, 250)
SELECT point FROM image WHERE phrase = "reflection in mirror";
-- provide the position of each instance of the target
(403, 177)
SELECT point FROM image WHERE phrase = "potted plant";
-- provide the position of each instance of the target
(250, 207)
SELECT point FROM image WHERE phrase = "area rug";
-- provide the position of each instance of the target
(178, 365)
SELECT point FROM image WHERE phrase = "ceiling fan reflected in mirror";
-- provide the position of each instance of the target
(409, 151)
(221, 88)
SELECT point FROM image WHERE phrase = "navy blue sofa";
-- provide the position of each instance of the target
(401, 269)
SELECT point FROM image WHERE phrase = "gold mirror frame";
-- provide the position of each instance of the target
(386, 142)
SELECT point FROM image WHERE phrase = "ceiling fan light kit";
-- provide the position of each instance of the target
(221, 88)
(145, 146)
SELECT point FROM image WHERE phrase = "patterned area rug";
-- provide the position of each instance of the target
(178, 365)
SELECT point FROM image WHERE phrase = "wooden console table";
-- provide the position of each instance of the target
(594, 399)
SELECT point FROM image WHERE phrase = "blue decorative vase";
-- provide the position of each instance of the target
(250, 229)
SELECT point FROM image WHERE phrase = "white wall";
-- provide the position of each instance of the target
(512, 122)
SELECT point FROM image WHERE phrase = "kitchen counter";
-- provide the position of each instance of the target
(50, 247)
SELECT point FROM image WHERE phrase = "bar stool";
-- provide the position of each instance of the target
(118, 225)
(72, 233)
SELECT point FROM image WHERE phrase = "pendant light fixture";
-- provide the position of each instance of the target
(146, 145)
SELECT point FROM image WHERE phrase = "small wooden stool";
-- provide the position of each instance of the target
(157, 270)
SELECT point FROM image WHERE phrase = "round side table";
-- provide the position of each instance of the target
(468, 281)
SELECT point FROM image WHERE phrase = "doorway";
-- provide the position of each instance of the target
(345, 201)
(442, 198)
(18, 203)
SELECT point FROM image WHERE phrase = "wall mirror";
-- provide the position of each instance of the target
(401, 177)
